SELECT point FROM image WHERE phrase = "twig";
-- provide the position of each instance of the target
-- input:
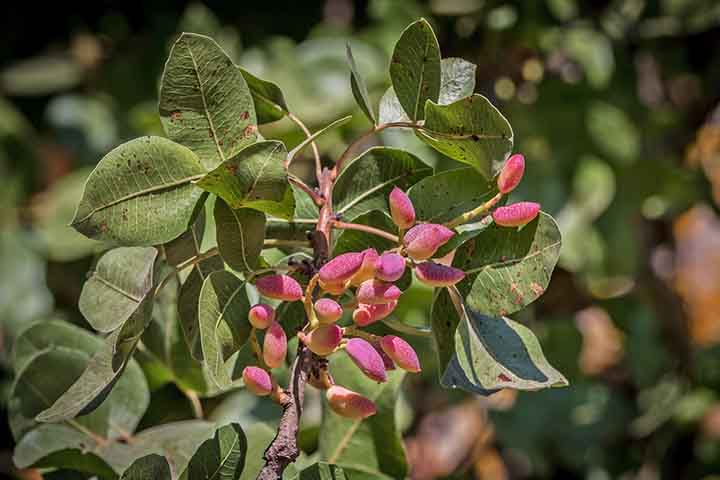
(474, 213)
(194, 400)
(306, 188)
(366, 229)
(316, 152)
(361, 139)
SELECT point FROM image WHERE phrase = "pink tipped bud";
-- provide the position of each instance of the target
(349, 404)
(401, 209)
(261, 316)
(422, 241)
(334, 288)
(274, 346)
(323, 340)
(257, 380)
(366, 358)
(368, 267)
(365, 314)
(516, 215)
(341, 268)
(511, 173)
(436, 275)
(279, 287)
(377, 291)
(328, 310)
(391, 267)
(401, 353)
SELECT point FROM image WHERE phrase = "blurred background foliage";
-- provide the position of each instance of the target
(613, 104)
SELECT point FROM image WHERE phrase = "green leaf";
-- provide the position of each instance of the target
(240, 235)
(52, 445)
(359, 88)
(259, 436)
(415, 68)
(470, 130)
(506, 268)
(117, 287)
(149, 467)
(141, 193)
(373, 445)
(224, 328)
(188, 244)
(494, 353)
(365, 183)
(442, 197)
(254, 178)
(267, 97)
(205, 103)
(304, 218)
(97, 381)
(337, 123)
(221, 457)
(188, 299)
(457, 81)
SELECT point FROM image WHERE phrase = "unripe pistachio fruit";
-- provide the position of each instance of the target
(377, 292)
(511, 173)
(517, 214)
(365, 314)
(437, 275)
(341, 268)
(261, 316)
(366, 358)
(349, 404)
(422, 241)
(391, 267)
(257, 380)
(401, 209)
(328, 310)
(401, 353)
(279, 287)
(323, 340)
(274, 345)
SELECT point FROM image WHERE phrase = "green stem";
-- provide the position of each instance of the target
(474, 213)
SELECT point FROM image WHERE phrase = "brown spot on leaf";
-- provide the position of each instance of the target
(249, 130)
(244, 115)
(504, 378)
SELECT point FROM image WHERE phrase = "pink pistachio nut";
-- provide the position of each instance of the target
(377, 292)
(323, 340)
(517, 214)
(279, 287)
(328, 310)
(437, 275)
(341, 268)
(365, 314)
(349, 404)
(391, 267)
(257, 380)
(367, 268)
(274, 346)
(401, 353)
(401, 209)
(261, 316)
(366, 358)
(511, 173)
(422, 241)
(334, 288)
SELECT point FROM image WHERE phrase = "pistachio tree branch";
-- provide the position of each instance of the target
(366, 229)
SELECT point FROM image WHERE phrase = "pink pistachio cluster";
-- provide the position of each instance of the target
(367, 280)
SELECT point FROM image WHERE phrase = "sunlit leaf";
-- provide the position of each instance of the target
(155, 207)
(457, 80)
(254, 178)
(471, 131)
(365, 183)
(220, 457)
(149, 467)
(415, 68)
(205, 103)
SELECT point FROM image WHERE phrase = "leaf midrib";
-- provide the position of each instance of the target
(211, 125)
(139, 193)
